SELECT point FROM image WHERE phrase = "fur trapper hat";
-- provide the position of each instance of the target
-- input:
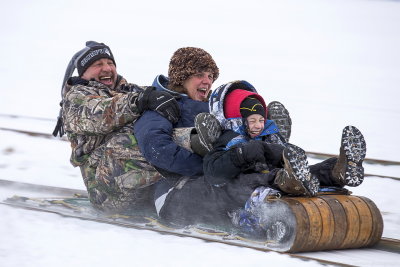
(187, 61)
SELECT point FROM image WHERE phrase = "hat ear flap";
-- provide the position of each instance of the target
(93, 44)
(71, 67)
(243, 85)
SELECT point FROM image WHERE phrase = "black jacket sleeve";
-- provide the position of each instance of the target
(218, 164)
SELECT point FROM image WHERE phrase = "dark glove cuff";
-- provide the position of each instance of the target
(139, 102)
(238, 157)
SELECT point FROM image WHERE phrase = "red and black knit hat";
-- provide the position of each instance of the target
(243, 103)
(187, 61)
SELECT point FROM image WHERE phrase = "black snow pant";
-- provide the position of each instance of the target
(200, 202)
(323, 172)
(197, 201)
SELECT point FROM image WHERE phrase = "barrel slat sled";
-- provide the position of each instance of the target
(325, 222)
(377, 222)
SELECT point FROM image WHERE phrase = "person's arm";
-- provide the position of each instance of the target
(154, 135)
(225, 163)
(89, 111)
(219, 163)
(86, 112)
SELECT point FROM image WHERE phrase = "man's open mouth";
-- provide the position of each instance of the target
(105, 79)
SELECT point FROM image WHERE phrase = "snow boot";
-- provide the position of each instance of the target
(295, 178)
(280, 115)
(208, 130)
(348, 169)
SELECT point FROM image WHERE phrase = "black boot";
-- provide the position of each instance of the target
(348, 169)
(280, 115)
(295, 178)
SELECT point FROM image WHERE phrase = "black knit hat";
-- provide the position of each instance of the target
(250, 106)
(187, 61)
(92, 52)
(85, 57)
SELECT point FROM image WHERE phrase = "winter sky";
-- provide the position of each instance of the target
(335, 59)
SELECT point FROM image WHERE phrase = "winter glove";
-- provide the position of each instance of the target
(162, 102)
(249, 153)
(273, 155)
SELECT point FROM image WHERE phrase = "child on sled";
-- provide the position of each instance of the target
(250, 143)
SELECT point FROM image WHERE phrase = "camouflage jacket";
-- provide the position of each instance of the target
(94, 113)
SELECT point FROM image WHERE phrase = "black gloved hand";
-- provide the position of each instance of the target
(273, 155)
(249, 153)
(162, 102)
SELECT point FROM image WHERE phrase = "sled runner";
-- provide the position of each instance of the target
(292, 224)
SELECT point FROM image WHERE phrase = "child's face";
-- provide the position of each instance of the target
(255, 125)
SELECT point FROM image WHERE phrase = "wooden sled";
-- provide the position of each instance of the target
(325, 222)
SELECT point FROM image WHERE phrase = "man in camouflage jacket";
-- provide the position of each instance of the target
(98, 110)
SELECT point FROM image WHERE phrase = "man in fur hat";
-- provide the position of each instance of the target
(98, 110)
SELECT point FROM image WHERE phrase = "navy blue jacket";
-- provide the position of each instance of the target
(154, 135)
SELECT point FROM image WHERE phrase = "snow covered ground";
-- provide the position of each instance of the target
(332, 63)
